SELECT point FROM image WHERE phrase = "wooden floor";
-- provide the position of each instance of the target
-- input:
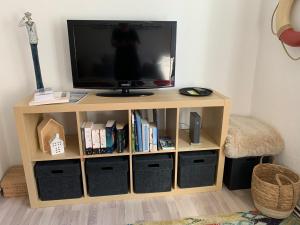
(15, 211)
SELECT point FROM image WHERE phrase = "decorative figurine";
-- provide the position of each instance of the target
(33, 40)
(56, 145)
(46, 130)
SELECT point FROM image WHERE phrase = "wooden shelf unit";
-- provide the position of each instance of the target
(215, 116)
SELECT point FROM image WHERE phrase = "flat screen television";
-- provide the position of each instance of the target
(122, 55)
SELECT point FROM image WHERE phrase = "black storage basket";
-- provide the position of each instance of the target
(153, 173)
(197, 169)
(238, 171)
(107, 176)
(60, 179)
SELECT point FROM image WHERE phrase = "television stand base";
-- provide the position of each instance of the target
(124, 93)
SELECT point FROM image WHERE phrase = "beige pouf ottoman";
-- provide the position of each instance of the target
(248, 139)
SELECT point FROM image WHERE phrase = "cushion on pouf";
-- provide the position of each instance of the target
(248, 136)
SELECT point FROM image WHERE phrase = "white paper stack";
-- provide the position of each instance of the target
(45, 95)
(41, 98)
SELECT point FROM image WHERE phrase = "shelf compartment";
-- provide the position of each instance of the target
(31, 122)
(211, 121)
(71, 151)
(206, 142)
(166, 121)
(114, 154)
(120, 116)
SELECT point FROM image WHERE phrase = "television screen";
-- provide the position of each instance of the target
(117, 54)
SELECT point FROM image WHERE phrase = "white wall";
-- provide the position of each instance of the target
(276, 97)
(214, 48)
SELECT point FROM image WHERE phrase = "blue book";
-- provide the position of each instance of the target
(154, 138)
(139, 131)
(145, 135)
(136, 141)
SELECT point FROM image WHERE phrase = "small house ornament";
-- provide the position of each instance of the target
(47, 130)
(56, 145)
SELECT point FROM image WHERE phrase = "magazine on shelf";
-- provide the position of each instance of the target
(57, 98)
(166, 143)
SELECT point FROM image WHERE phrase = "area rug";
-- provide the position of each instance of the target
(241, 218)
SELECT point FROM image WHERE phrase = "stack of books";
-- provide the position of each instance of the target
(104, 138)
(145, 132)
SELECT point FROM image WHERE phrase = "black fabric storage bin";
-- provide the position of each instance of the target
(152, 173)
(107, 176)
(60, 179)
(238, 171)
(197, 169)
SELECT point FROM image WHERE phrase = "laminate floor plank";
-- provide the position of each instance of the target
(133, 211)
(23, 207)
(6, 208)
(46, 216)
(11, 212)
(171, 204)
(16, 211)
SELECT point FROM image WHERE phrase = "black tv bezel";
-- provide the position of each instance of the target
(124, 84)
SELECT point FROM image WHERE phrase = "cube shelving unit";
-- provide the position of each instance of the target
(215, 117)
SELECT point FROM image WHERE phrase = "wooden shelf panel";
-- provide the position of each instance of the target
(196, 189)
(207, 143)
(161, 99)
(153, 194)
(156, 152)
(126, 152)
(71, 151)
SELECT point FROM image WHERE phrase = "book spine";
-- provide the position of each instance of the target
(110, 138)
(96, 140)
(151, 139)
(154, 138)
(102, 138)
(136, 136)
(120, 141)
(145, 138)
(133, 133)
(82, 138)
(108, 132)
(139, 132)
(88, 140)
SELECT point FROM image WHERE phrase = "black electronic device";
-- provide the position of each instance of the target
(195, 126)
(195, 91)
(122, 55)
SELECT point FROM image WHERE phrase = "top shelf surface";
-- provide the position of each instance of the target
(161, 99)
